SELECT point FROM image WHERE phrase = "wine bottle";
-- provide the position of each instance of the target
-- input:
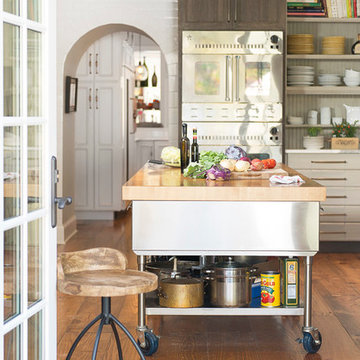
(154, 79)
(145, 83)
(355, 49)
(195, 147)
(184, 148)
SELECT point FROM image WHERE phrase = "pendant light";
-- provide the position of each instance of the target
(141, 72)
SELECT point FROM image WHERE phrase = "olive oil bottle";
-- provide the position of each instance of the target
(195, 147)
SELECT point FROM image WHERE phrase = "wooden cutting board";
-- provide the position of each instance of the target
(256, 175)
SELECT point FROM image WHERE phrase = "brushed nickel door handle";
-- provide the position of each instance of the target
(329, 179)
(332, 232)
(229, 11)
(90, 98)
(97, 99)
(96, 63)
(328, 162)
(333, 214)
(90, 64)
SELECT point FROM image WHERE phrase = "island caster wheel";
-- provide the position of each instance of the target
(151, 343)
(309, 343)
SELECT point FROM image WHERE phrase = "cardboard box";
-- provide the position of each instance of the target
(339, 143)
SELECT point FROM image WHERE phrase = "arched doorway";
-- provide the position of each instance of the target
(124, 144)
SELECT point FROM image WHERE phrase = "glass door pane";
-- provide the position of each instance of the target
(34, 10)
(34, 73)
(35, 265)
(11, 6)
(12, 273)
(35, 170)
(11, 70)
(35, 337)
(12, 345)
(12, 171)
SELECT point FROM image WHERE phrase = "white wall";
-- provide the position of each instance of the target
(76, 21)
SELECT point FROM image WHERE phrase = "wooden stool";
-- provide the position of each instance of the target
(102, 272)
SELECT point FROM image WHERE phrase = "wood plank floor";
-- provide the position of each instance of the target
(336, 312)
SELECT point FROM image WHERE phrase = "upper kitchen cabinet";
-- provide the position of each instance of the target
(232, 14)
(205, 14)
(259, 15)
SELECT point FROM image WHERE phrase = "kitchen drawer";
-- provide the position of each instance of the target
(340, 214)
(342, 196)
(334, 177)
(324, 161)
(340, 231)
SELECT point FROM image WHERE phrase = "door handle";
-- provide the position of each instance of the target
(328, 162)
(56, 202)
(229, 11)
(96, 63)
(227, 77)
(237, 96)
(235, 11)
(90, 98)
(97, 99)
(90, 64)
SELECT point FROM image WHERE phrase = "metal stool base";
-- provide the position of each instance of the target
(106, 318)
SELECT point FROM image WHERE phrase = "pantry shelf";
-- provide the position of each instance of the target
(323, 90)
(323, 20)
(322, 57)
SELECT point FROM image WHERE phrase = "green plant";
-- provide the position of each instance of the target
(344, 129)
(314, 131)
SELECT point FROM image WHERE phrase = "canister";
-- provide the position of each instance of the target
(270, 289)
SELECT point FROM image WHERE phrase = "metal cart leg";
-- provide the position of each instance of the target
(147, 340)
(312, 337)
(141, 328)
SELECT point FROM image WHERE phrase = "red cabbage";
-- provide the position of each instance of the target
(217, 172)
(235, 152)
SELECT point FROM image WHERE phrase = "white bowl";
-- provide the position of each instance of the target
(313, 142)
(351, 82)
(295, 120)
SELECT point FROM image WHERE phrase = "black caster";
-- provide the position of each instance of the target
(151, 343)
(311, 345)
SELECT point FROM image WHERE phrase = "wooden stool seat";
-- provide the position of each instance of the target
(108, 283)
(101, 272)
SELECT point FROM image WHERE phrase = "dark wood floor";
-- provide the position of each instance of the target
(336, 312)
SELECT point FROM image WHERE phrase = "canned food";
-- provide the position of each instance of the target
(270, 289)
(290, 282)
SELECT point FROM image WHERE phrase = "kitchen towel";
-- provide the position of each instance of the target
(281, 179)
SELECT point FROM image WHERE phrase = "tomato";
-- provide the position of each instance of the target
(271, 299)
(271, 163)
(266, 163)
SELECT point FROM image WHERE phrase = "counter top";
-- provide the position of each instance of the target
(154, 182)
(324, 151)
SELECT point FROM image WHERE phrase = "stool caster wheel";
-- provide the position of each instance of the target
(151, 343)
(310, 344)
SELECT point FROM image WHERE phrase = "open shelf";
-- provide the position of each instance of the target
(308, 126)
(323, 20)
(323, 90)
(212, 311)
(322, 57)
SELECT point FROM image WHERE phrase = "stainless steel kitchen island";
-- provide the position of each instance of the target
(173, 215)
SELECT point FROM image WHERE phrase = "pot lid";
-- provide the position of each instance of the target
(230, 264)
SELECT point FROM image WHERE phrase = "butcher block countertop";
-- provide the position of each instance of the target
(154, 182)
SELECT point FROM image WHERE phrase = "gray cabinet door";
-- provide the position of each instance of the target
(205, 14)
(259, 14)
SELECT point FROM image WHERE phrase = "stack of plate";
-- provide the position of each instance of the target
(333, 45)
(329, 80)
(300, 44)
(300, 75)
(295, 120)
(352, 78)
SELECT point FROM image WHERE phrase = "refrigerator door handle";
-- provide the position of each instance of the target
(237, 75)
(228, 76)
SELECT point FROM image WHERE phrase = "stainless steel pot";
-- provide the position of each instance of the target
(230, 284)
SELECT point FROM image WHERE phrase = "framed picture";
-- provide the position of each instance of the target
(71, 87)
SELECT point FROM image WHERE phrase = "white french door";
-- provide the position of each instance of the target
(27, 142)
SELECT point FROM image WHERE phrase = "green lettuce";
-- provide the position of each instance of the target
(195, 170)
(210, 158)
